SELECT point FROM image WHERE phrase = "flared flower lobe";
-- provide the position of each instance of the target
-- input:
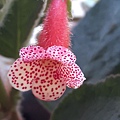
(21, 74)
(49, 86)
(73, 75)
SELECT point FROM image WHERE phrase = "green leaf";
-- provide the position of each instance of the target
(95, 41)
(2, 3)
(17, 25)
(4, 99)
(92, 102)
(4, 9)
(69, 8)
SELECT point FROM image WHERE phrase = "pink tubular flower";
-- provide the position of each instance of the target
(48, 67)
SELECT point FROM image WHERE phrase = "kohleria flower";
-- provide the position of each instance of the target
(48, 67)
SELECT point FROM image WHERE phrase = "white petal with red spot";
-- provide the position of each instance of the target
(61, 54)
(73, 75)
(31, 53)
(21, 74)
(49, 87)
(48, 90)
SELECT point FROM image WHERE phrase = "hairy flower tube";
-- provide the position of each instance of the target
(48, 67)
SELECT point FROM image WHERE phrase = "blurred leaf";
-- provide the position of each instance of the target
(96, 39)
(15, 116)
(1, 4)
(69, 8)
(14, 97)
(92, 102)
(17, 25)
(4, 8)
(4, 99)
(1, 115)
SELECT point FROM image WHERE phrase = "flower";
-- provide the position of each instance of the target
(46, 72)
(48, 67)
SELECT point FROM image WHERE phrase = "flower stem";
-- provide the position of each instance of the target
(4, 99)
(55, 29)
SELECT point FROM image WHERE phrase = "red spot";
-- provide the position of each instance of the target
(16, 69)
(40, 89)
(50, 75)
(36, 74)
(21, 84)
(31, 68)
(56, 83)
(56, 88)
(36, 81)
(20, 74)
(51, 89)
(9, 74)
(36, 91)
(63, 89)
(43, 96)
(46, 89)
(24, 69)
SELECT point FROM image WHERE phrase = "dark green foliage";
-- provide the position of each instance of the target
(96, 39)
(92, 102)
(4, 99)
(17, 25)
